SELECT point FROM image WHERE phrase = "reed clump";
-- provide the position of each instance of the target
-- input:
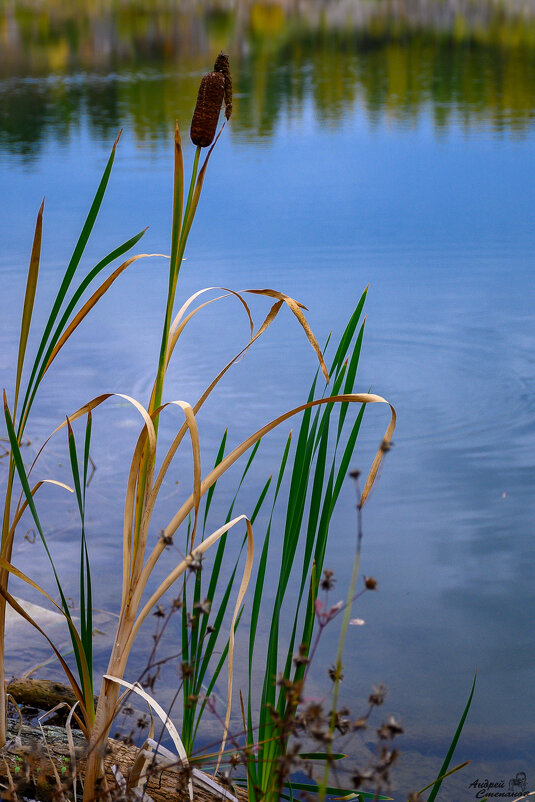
(321, 457)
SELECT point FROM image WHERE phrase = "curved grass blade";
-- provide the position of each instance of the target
(23, 506)
(160, 712)
(180, 322)
(17, 457)
(296, 307)
(230, 459)
(272, 314)
(448, 773)
(177, 572)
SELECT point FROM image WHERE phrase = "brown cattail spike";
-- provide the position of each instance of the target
(206, 114)
(222, 65)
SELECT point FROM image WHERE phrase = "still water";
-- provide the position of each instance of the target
(367, 146)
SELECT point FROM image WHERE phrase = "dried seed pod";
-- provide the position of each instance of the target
(206, 114)
(221, 65)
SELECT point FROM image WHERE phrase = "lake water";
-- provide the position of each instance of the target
(366, 147)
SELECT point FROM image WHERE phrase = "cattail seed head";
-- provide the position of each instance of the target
(206, 114)
(221, 65)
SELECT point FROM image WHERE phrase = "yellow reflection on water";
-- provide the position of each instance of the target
(471, 60)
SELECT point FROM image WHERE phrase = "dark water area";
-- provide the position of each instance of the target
(389, 144)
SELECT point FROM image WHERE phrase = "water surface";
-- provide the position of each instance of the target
(395, 151)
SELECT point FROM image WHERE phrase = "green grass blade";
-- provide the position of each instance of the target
(211, 490)
(74, 469)
(447, 760)
(312, 788)
(347, 336)
(86, 585)
(178, 200)
(447, 774)
(315, 484)
(217, 671)
(39, 370)
(255, 613)
(21, 471)
(69, 275)
(86, 625)
(203, 656)
(216, 569)
(350, 377)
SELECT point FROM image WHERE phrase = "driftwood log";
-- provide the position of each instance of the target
(28, 760)
(33, 759)
(43, 694)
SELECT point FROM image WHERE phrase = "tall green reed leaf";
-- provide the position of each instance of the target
(314, 483)
(202, 648)
(455, 740)
(83, 667)
(85, 589)
(66, 282)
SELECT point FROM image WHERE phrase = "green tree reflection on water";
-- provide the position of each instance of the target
(138, 63)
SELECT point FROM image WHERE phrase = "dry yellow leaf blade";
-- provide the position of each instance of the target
(270, 317)
(177, 573)
(179, 321)
(29, 299)
(160, 712)
(230, 459)
(296, 307)
(90, 303)
(191, 425)
(20, 509)
(5, 565)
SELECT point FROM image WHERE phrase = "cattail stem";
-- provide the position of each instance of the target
(179, 238)
(177, 248)
(192, 182)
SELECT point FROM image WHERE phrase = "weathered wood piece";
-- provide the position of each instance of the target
(29, 761)
(40, 693)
